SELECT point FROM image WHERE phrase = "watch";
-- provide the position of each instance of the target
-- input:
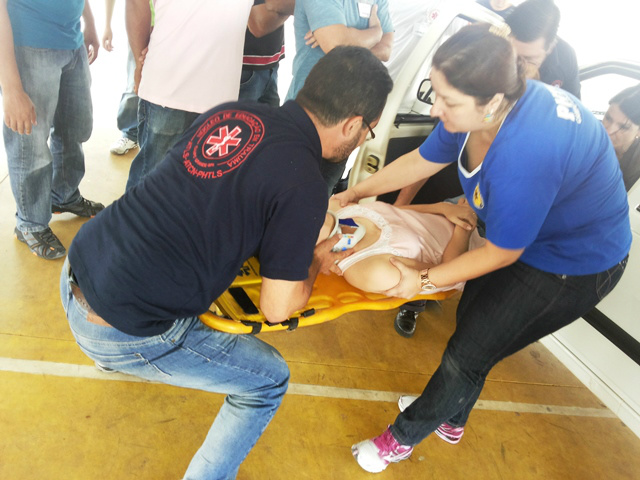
(426, 285)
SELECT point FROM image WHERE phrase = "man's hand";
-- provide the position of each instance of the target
(326, 260)
(310, 40)
(374, 21)
(409, 284)
(19, 112)
(91, 40)
(349, 196)
(107, 39)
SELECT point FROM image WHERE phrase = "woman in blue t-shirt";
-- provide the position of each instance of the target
(540, 172)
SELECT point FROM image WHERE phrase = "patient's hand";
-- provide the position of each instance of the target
(409, 284)
(327, 260)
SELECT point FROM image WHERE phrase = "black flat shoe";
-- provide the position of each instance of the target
(405, 323)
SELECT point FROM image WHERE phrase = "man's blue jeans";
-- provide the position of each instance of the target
(58, 83)
(499, 314)
(260, 86)
(128, 108)
(159, 128)
(252, 374)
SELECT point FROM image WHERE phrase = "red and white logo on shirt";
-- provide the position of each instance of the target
(222, 143)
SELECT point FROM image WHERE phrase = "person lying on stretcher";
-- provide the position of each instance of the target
(419, 236)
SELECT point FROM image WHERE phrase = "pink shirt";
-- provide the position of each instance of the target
(405, 233)
(195, 53)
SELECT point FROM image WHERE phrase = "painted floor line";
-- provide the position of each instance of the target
(38, 367)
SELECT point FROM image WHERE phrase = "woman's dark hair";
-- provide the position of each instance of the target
(534, 19)
(481, 63)
(346, 82)
(629, 102)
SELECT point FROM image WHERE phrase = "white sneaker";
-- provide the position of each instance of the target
(405, 400)
(122, 146)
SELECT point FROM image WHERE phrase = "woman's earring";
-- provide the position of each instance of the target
(487, 118)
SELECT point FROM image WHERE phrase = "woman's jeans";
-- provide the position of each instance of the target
(499, 314)
(252, 374)
(159, 128)
(58, 83)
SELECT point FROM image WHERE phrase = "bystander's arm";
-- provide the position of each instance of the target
(91, 41)
(138, 21)
(331, 36)
(107, 35)
(19, 111)
(269, 16)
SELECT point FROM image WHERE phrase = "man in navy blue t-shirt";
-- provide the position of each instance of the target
(244, 180)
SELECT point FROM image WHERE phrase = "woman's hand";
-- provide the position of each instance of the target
(461, 214)
(409, 284)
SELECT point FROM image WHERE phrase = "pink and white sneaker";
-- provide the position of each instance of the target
(445, 431)
(450, 434)
(375, 454)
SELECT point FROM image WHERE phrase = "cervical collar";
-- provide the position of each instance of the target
(348, 240)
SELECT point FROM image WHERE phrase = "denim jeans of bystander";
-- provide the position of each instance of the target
(58, 83)
(159, 128)
(260, 86)
(128, 109)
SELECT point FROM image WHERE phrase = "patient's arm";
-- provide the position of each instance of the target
(376, 274)
(460, 214)
(458, 244)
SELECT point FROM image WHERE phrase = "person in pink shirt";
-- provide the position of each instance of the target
(193, 62)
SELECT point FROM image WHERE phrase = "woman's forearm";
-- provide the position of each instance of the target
(458, 244)
(404, 171)
(473, 264)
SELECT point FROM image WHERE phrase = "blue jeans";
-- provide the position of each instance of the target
(252, 374)
(58, 83)
(159, 128)
(260, 86)
(499, 314)
(128, 108)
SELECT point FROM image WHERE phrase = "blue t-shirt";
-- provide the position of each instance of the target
(310, 15)
(243, 180)
(550, 183)
(53, 24)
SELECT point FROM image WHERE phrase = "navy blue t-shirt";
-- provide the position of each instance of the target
(243, 180)
(550, 183)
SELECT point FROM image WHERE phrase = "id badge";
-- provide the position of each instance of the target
(364, 8)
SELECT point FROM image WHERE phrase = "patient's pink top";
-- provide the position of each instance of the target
(405, 233)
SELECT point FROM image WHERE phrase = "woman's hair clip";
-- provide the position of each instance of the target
(500, 30)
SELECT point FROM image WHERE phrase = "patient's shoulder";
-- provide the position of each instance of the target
(376, 273)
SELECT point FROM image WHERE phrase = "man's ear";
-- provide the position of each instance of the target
(351, 125)
(551, 47)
